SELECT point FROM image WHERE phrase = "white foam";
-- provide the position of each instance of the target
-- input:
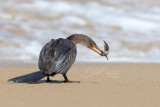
(38, 22)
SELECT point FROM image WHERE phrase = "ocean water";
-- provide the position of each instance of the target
(130, 27)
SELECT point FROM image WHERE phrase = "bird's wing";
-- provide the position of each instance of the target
(57, 56)
(44, 57)
(64, 62)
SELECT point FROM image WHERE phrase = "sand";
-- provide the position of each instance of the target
(101, 85)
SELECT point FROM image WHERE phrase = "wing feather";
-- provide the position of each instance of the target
(65, 62)
(57, 56)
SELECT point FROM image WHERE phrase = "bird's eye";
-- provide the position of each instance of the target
(91, 44)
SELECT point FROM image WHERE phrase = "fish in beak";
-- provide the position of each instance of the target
(106, 50)
(95, 48)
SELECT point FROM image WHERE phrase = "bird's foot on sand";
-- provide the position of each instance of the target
(48, 80)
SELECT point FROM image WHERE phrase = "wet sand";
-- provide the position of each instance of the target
(101, 85)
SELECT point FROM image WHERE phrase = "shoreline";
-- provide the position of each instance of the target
(12, 63)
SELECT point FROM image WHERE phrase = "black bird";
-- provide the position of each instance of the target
(56, 57)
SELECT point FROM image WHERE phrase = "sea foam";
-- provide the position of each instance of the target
(132, 31)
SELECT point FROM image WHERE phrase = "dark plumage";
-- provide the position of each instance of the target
(56, 57)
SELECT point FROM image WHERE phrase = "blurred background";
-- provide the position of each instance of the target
(130, 27)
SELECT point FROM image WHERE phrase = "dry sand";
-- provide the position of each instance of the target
(101, 85)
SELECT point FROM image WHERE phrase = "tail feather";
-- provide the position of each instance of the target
(28, 78)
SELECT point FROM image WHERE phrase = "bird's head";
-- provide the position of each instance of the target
(92, 45)
(85, 41)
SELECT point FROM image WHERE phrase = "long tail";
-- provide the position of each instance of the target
(28, 78)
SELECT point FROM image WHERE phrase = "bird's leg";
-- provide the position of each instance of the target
(65, 78)
(48, 79)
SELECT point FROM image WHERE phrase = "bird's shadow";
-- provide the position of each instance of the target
(55, 81)
(60, 81)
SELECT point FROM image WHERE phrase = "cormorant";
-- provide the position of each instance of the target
(57, 56)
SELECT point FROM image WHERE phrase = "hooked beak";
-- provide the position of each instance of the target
(95, 48)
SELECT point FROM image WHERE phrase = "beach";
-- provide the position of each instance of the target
(101, 85)
(131, 76)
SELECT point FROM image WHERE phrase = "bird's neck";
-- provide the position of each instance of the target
(76, 39)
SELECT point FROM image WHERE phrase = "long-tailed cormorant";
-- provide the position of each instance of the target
(57, 56)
